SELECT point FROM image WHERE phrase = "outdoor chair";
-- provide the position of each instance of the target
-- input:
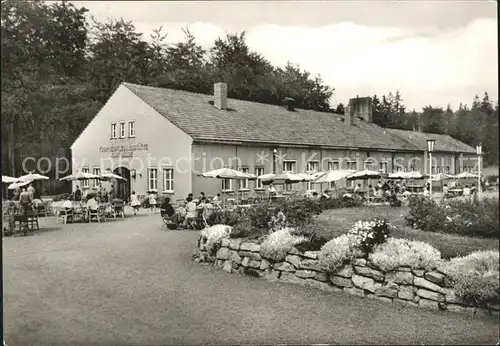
(118, 209)
(98, 214)
(32, 221)
(65, 215)
(167, 221)
(41, 209)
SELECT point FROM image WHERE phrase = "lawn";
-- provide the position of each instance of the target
(333, 223)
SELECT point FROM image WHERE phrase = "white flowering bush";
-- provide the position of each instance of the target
(214, 235)
(339, 251)
(371, 233)
(276, 245)
(475, 277)
(396, 253)
(277, 222)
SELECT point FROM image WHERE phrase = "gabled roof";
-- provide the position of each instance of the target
(444, 143)
(246, 121)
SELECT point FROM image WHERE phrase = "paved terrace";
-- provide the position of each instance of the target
(127, 282)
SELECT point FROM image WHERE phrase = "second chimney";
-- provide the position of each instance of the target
(220, 95)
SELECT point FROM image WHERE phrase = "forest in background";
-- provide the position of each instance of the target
(59, 68)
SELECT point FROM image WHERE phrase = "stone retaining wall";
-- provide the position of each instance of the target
(404, 286)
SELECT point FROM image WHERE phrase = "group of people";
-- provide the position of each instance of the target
(99, 193)
(27, 197)
(189, 210)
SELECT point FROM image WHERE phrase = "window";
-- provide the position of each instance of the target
(131, 128)
(367, 165)
(96, 171)
(289, 166)
(352, 165)
(226, 185)
(113, 130)
(122, 130)
(447, 169)
(399, 169)
(243, 184)
(152, 179)
(168, 180)
(333, 166)
(312, 167)
(85, 183)
(258, 183)
(383, 167)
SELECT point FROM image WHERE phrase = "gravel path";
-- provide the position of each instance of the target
(126, 282)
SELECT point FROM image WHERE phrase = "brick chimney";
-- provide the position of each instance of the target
(220, 95)
(361, 107)
(348, 115)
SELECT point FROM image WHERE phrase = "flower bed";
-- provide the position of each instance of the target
(396, 271)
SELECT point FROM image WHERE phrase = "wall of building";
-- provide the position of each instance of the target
(157, 144)
(213, 156)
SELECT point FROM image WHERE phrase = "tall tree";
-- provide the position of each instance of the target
(432, 120)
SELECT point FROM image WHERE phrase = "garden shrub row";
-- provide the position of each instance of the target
(469, 217)
(259, 220)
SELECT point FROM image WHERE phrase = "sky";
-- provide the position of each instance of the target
(434, 52)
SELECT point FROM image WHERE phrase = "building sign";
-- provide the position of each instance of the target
(124, 148)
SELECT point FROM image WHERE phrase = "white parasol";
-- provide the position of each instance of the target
(16, 185)
(80, 176)
(110, 176)
(465, 175)
(32, 177)
(330, 176)
(7, 180)
(366, 174)
(228, 173)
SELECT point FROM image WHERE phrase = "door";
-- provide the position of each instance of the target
(122, 187)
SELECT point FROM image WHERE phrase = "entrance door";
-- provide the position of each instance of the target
(122, 187)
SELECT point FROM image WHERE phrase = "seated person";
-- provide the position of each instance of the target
(446, 190)
(466, 190)
(92, 203)
(167, 210)
(201, 198)
(216, 199)
(68, 203)
(191, 212)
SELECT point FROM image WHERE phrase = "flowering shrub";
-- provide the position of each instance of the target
(401, 252)
(371, 233)
(476, 276)
(214, 236)
(465, 217)
(277, 244)
(277, 221)
(425, 214)
(339, 251)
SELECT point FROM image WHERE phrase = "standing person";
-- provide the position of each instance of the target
(78, 194)
(446, 190)
(134, 202)
(152, 201)
(111, 194)
(31, 190)
(271, 190)
(25, 199)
